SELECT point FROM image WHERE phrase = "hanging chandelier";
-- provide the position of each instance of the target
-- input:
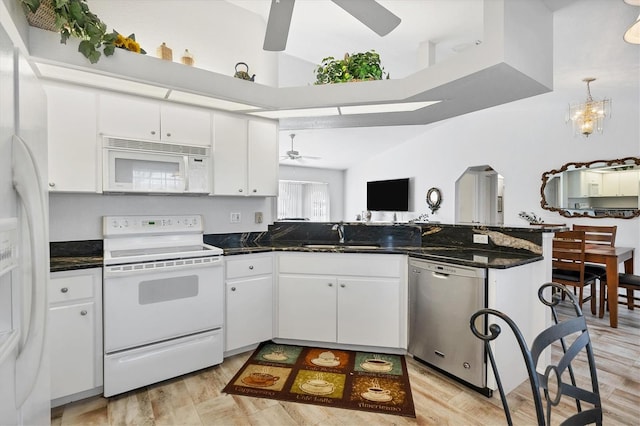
(589, 115)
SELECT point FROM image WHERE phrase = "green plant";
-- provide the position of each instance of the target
(73, 18)
(354, 67)
(531, 218)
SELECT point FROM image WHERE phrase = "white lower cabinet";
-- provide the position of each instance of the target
(75, 331)
(369, 311)
(307, 307)
(345, 298)
(249, 300)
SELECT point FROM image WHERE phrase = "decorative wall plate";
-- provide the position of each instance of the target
(434, 199)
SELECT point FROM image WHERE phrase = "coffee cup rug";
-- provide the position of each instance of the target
(366, 381)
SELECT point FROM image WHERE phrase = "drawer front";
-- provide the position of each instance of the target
(342, 264)
(70, 288)
(249, 266)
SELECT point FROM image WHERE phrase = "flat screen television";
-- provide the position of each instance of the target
(388, 195)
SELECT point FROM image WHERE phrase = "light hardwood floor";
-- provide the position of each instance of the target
(195, 399)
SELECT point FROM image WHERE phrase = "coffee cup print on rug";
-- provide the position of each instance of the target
(265, 377)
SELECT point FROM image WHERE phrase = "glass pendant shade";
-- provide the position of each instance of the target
(632, 35)
(588, 117)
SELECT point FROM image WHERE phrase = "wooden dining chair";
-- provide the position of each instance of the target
(569, 267)
(630, 282)
(595, 234)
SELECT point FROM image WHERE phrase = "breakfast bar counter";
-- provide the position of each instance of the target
(456, 255)
(505, 247)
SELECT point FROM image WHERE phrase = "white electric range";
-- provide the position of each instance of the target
(163, 300)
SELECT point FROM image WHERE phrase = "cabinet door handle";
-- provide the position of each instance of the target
(52, 184)
(169, 134)
(255, 190)
(64, 289)
(342, 285)
(83, 312)
(250, 266)
(233, 289)
(239, 190)
(153, 132)
(330, 284)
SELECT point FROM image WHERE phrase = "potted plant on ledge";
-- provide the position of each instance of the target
(354, 67)
(73, 18)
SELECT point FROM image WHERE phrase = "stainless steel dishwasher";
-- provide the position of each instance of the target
(442, 298)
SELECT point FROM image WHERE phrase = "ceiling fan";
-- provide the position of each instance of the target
(369, 12)
(292, 154)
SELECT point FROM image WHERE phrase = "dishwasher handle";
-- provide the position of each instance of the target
(434, 273)
(440, 275)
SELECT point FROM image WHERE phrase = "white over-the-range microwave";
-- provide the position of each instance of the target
(154, 167)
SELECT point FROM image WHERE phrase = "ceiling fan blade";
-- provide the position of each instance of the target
(371, 13)
(275, 38)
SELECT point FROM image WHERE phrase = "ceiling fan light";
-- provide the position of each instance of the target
(632, 35)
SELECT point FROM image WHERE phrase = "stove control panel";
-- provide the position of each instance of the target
(132, 225)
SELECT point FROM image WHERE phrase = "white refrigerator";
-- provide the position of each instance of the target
(24, 238)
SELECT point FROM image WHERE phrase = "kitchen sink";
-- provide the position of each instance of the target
(341, 246)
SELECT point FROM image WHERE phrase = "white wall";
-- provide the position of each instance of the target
(294, 71)
(74, 217)
(335, 179)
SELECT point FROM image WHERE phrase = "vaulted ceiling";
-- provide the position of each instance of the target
(320, 28)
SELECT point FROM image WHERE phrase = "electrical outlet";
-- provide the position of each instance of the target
(235, 217)
(480, 239)
(258, 217)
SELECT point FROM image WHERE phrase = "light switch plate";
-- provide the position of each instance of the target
(480, 239)
(258, 217)
(235, 217)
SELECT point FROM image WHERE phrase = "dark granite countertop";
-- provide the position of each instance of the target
(67, 263)
(504, 247)
(456, 255)
(69, 255)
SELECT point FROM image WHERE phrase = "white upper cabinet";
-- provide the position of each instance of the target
(185, 125)
(229, 155)
(263, 158)
(245, 158)
(620, 184)
(128, 117)
(584, 184)
(73, 150)
(136, 118)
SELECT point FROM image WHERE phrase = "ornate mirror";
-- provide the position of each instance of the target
(601, 188)
(434, 199)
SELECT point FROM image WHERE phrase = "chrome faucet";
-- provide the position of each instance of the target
(340, 228)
